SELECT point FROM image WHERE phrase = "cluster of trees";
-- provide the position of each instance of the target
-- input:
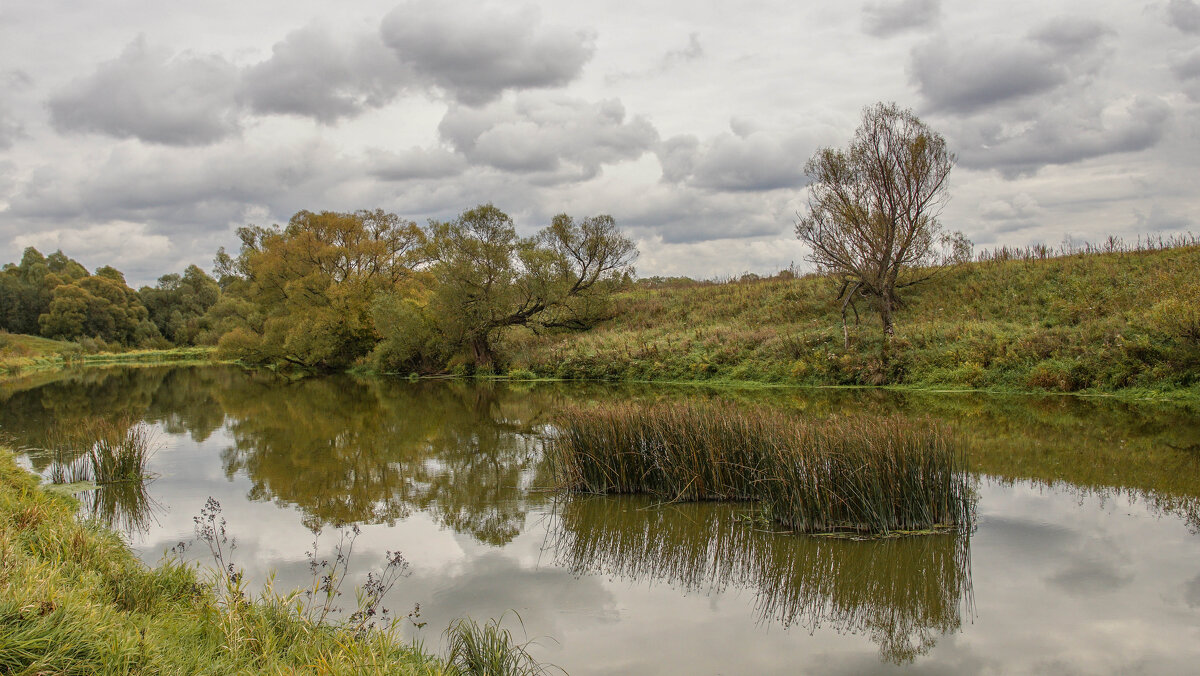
(333, 289)
(56, 297)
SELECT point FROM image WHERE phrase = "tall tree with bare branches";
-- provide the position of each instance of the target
(873, 210)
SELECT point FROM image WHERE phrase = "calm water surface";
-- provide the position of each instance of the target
(1085, 557)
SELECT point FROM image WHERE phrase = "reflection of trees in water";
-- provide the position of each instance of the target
(345, 450)
(181, 398)
(904, 593)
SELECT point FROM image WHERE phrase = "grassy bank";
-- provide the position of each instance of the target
(1124, 321)
(74, 600)
(862, 474)
(22, 354)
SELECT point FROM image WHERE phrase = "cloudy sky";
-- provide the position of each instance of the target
(143, 133)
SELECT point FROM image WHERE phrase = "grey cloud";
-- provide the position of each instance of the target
(684, 215)
(889, 17)
(15, 79)
(1184, 15)
(1071, 35)
(1020, 206)
(562, 139)
(747, 161)
(1161, 220)
(207, 188)
(1063, 136)
(1187, 70)
(678, 155)
(311, 73)
(10, 129)
(1188, 67)
(963, 77)
(694, 50)
(475, 54)
(417, 163)
(967, 78)
(146, 93)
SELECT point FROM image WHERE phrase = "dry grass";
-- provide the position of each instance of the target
(874, 475)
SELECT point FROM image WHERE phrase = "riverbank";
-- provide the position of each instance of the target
(22, 354)
(75, 600)
(1124, 323)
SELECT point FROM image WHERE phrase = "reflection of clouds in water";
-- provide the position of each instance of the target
(495, 583)
(1191, 592)
(1084, 566)
(1095, 566)
(1091, 576)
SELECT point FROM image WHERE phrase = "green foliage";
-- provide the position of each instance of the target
(486, 280)
(100, 306)
(55, 297)
(177, 304)
(26, 289)
(304, 292)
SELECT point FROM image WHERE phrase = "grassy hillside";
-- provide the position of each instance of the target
(1125, 320)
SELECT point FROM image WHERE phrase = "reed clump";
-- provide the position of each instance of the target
(863, 474)
(101, 450)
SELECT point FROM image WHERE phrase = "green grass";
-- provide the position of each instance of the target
(23, 354)
(861, 474)
(74, 600)
(489, 648)
(1125, 321)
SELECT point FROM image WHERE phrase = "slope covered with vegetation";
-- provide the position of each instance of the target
(74, 600)
(1124, 319)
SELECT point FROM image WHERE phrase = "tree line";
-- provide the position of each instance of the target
(56, 297)
(331, 290)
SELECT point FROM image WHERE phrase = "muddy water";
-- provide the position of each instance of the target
(1085, 556)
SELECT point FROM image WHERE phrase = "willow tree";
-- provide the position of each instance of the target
(489, 279)
(873, 210)
(308, 287)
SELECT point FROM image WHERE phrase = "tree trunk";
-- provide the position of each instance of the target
(481, 351)
(889, 330)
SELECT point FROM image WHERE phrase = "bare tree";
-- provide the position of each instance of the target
(873, 211)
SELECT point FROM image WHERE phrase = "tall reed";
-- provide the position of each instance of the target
(863, 474)
(101, 450)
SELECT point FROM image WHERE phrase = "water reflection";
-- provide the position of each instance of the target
(1071, 542)
(125, 507)
(369, 451)
(904, 593)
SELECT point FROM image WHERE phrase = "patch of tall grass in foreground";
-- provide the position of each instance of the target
(862, 474)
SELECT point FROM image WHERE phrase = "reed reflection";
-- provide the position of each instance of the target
(903, 593)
